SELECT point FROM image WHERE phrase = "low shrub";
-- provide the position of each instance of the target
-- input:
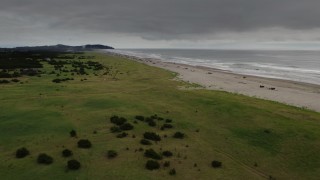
(145, 142)
(154, 116)
(44, 159)
(168, 126)
(84, 143)
(126, 127)
(178, 135)
(118, 120)
(122, 135)
(166, 164)
(168, 121)
(152, 123)
(73, 133)
(172, 172)
(15, 80)
(152, 165)
(167, 153)
(66, 153)
(216, 164)
(160, 119)
(150, 153)
(140, 118)
(152, 136)
(22, 152)
(112, 154)
(73, 164)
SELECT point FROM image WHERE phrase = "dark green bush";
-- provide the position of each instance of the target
(84, 143)
(22, 152)
(44, 159)
(112, 154)
(118, 120)
(154, 116)
(152, 165)
(166, 164)
(172, 172)
(178, 135)
(122, 135)
(140, 118)
(168, 126)
(73, 133)
(145, 142)
(216, 164)
(152, 136)
(15, 80)
(150, 153)
(167, 153)
(66, 153)
(152, 123)
(74, 164)
(168, 120)
(126, 127)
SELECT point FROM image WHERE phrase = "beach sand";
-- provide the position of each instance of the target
(288, 92)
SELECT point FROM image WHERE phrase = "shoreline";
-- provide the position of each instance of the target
(299, 94)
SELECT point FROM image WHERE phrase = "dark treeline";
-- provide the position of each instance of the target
(58, 48)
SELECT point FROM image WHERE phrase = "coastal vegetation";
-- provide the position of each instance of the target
(142, 120)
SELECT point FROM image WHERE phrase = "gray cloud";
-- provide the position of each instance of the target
(155, 20)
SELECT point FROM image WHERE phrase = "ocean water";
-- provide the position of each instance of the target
(302, 66)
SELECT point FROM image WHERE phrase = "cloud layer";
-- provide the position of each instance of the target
(152, 22)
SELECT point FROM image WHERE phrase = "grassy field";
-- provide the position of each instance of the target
(254, 139)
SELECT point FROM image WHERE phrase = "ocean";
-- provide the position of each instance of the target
(301, 66)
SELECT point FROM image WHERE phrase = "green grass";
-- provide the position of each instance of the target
(232, 128)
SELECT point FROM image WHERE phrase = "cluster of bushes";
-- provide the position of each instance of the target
(118, 120)
(62, 80)
(152, 121)
(150, 153)
(152, 136)
(121, 124)
(46, 159)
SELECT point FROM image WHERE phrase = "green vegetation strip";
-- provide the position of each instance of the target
(93, 116)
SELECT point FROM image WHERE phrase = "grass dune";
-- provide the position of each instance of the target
(253, 138)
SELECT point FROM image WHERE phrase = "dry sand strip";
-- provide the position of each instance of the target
(289, 92)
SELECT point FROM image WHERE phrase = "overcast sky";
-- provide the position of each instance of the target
(236, 24)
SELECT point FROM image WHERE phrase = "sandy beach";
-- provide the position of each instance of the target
(289, 92)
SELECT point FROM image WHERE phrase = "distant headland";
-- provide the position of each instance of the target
(59, 47)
